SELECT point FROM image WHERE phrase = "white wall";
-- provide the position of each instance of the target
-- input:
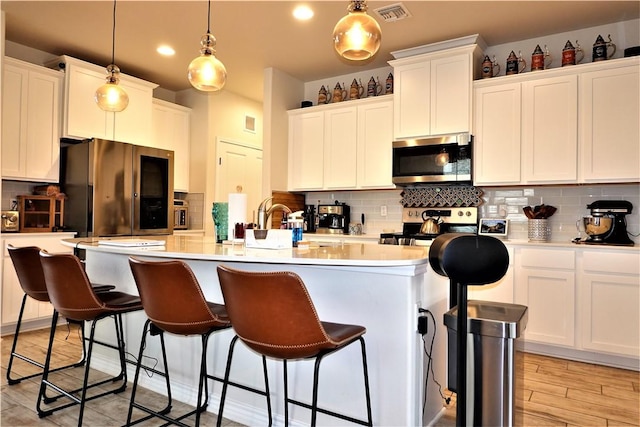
(217, 114)
(282, 92)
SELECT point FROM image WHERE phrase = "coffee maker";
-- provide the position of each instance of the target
(333, 219)
(607, 224)
(309, 217)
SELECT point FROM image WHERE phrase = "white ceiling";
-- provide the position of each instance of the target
(254, 35)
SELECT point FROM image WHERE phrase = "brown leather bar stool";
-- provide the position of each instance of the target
(273, 314)
(174, 303)
(26, 261)
(73, 297)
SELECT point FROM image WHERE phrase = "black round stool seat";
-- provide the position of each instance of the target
(468, 259)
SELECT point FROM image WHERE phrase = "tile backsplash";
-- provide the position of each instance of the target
(498, 202)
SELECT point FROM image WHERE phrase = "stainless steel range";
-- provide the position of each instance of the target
(421, 225)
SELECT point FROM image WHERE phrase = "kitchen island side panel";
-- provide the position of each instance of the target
(384, 300)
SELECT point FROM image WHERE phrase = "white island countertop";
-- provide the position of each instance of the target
(323, 253)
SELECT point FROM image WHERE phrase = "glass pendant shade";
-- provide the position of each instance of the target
(111, 96)
(357, 36)
(206, 72)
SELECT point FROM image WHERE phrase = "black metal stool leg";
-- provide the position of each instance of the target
(73, 394)
(203, 380)
(45, 373)
(366, 381)
(226, 379)
(266, 387)
(83, 397)
(14, 354)
(150, 329)
(286, 393)
(314, 402)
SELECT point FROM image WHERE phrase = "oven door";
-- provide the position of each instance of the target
(433, 160)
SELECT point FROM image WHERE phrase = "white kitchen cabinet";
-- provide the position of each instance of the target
(608, 296)
(550, 130)
(526, 131)
(341, 146)
(610, 122)
(545, 283)
(31, 97)
(83, 118)
(497, 128)
(170, 131)
(12, 291)
(561, 126)
(374, 151)
(432, 93)
(500, 291)
(306, 151)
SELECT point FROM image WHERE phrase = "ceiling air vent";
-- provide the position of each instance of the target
(393, 12)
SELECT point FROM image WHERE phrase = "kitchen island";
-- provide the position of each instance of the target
(380, 287)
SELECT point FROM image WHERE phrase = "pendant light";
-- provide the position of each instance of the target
(206, 72)
(357, 36)
(110, 96)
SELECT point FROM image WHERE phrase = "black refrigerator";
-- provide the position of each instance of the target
(116, 189)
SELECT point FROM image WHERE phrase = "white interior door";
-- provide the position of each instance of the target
(239, 165)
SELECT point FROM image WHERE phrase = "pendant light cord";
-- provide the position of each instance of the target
(209, 18)
(113, 35)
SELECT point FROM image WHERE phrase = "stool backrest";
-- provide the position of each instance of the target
(26, 261)
(272, 313)
(69, 288)
(469, 259)
(172, 298)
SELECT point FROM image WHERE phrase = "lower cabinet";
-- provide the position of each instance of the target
(12, 291)
(582, 302)
(545, 283)
(608, 298)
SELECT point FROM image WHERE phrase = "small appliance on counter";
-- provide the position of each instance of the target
(607, 224)
(334, 219)
(10, 221)
(421, 225)
(180, 214)
(309, 216)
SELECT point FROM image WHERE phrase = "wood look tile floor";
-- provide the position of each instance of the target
(557, 392)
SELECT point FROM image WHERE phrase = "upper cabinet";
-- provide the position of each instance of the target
(170, 131)
(30, 122)
(497, 127)
(82, 118)
(610, 123)
(432, 92)
(559, 126)
(345, 145)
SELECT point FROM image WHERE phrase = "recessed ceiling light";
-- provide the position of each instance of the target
(303, 12)
(165, 50)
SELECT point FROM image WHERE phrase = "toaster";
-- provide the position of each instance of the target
(10, 221)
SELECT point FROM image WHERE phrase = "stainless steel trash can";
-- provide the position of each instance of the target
(492, 369)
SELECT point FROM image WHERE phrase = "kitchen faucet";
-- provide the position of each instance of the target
(264, 213)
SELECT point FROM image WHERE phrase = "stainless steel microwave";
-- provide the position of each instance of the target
(437, 159)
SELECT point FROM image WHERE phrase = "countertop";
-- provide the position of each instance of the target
(206, 248)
